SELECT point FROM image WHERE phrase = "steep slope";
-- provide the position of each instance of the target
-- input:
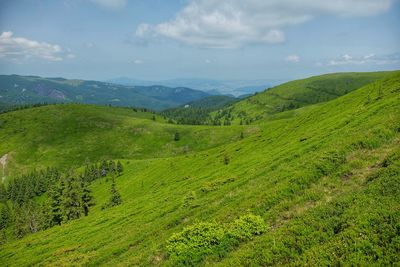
(325, 180)
(22, 90)
(70, 134)
(295, 94)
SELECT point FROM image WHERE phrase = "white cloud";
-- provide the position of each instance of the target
(292, 58)
(137, 61)
(110, 4)
(90, 45)
(235, 23)
(71, 56)
(19, 49)
(207, 61)
(367, 59)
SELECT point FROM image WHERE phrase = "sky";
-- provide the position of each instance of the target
(213, 39)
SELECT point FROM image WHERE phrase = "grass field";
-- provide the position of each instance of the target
(324, 178)
(299, 93)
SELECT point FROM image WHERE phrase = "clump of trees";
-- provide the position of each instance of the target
(69, 197)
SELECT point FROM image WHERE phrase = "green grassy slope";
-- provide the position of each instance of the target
(325, 179)
(69, 135)
(299, 93)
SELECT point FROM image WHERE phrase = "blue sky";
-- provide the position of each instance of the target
(216, 39)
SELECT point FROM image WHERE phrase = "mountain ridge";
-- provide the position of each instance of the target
(23, 90)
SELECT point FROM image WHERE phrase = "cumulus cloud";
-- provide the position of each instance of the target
(235, 23)
(292, 58)
(347, 59)
(20, 48)
(110, 4)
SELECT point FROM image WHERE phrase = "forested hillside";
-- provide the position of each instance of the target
(198, 112)
(18, 90)
(318, 185)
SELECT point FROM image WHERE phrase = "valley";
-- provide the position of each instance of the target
(319, 182)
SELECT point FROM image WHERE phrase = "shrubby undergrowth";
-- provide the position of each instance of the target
(193, 243)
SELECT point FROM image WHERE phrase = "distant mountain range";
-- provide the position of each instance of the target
(21, 90)
(215, 87)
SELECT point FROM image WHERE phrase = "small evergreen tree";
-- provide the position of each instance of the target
(72, 199)
(87, 198)
(226, 159)
(120, 168)
(55, 204)
(5, 216)
(115, 198)
(104, 168)
(177, 136)
(3, 193)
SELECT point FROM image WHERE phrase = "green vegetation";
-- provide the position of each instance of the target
(189, 246)
(318, 185)
(70, 135)
(296, 94)
(198, 112)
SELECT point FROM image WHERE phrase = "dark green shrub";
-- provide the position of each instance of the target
(195, 241)
(189, 246)
(246, 227)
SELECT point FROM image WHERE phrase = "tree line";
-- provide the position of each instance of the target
(68, 197)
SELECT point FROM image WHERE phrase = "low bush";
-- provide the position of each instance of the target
(193, 243)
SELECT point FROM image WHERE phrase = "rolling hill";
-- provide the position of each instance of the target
(296, 94)
(22, 90)
(67, 135)
(316, 186)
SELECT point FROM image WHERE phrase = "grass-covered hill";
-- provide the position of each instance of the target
(18, 90)
(318, 187)
(68, 135)
(295, 94)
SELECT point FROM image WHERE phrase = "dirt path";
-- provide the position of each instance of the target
(3, 162)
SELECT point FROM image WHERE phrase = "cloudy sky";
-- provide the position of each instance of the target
(218, 39)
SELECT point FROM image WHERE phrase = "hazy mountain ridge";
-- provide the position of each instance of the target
(22, 90)
(225, 87)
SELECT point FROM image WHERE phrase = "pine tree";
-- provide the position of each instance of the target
(5, 216)
(226, 159)
(120, 168)
(54, 205)
(72, 199)
(104, 168)
(177, 136)
(115, 198)
(3, 193)
(20, 222)
(87, 198)
(112, 167)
